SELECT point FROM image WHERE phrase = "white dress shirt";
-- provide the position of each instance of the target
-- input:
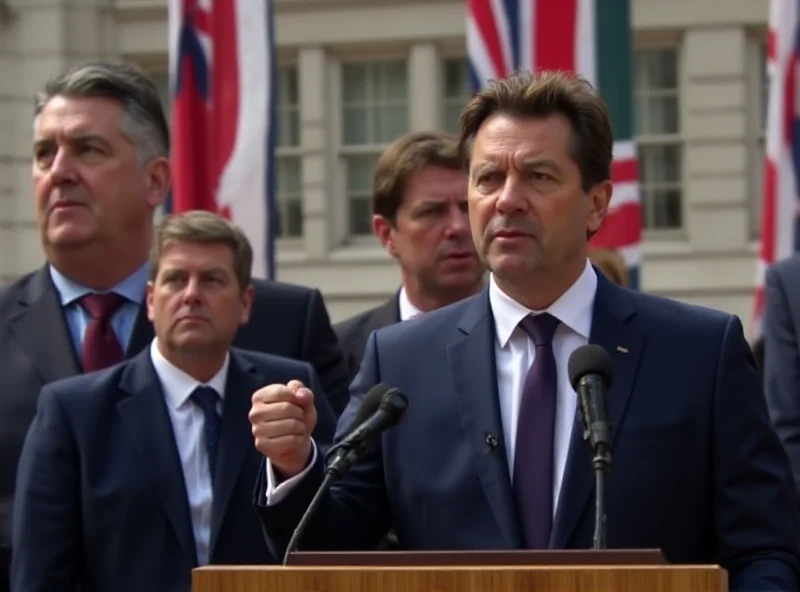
(407, 308)
(514, 354)
(188, 424)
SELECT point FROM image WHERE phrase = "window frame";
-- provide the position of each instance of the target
(665, 41)
(341, 150)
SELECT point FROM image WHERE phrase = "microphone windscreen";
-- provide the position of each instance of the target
(394, 403)
(369, 404)
(589, 359)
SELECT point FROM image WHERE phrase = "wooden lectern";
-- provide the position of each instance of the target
(468, 571)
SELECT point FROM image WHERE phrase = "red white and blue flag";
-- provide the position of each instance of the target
(591, 38)
(779, 219)
(222, 83)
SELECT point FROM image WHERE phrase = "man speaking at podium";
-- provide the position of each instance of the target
(490, 452)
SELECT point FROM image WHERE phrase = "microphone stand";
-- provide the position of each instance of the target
(340, 466)
(597, 432)
(602, 467)
(303, 524)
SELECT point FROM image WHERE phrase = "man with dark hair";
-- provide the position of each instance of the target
(419, 213)
(491, 453)
(132, 476)
(100, 170)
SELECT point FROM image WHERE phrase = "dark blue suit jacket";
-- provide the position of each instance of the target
(698, 469)
(101, 502)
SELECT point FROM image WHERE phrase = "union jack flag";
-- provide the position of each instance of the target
(222, 79)
(591, 38)
(779, 221)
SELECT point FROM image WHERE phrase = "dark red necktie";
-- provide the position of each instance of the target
(101, 348)
(533, 454)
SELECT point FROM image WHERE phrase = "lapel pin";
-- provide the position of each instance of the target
(621, 349)
(491, 441)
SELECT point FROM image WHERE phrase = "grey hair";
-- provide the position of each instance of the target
(144, 122)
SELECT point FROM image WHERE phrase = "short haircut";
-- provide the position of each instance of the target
(204, 227)
(404, 157)
(144, 122)
(540, 95)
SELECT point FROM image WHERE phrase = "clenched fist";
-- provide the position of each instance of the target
(283, 418)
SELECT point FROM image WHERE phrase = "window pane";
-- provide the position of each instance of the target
(288, 176)
(658, 127)
(391, 121)
(665, 208)
(661, 182)
(289, 198)
(359, 171)
(657, 115)
(354, 83)
(660, 164)
(657, 69)
(355, 126)
(374, 113)
(288, 127)
(375, 102)
(287, 86)
(457, 91)
(360, 216)
(392, 77)
(456, 79)
(288, 108)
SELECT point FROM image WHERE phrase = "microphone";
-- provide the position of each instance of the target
(590, 370)
(382, 408)
(369, 405)
(391, 410)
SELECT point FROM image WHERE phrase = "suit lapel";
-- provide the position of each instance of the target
(387, 314)
(472, 368)
(141, 334)
(236, 440)
(145, 415)
(614, 328)
(40, 329)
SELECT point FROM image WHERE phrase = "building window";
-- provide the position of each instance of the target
(658, 137)
(374, 112)
(758, 104)
(457, 91)
(288, 160)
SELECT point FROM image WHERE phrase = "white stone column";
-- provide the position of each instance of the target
(426, 87)
(314, 139)
(715, 129)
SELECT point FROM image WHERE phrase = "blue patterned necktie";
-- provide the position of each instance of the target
(206, 398)
(533, 452)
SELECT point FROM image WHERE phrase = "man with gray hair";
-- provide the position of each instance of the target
(100, 170)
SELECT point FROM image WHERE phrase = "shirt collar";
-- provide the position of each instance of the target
(177, 385)
(573, 308)
(407, 309)
(131, 288)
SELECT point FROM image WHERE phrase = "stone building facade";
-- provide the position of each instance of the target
(355, 73)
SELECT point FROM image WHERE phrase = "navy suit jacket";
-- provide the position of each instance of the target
(698, 469)
(782, 354)
(286, 320)
(101, 501)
